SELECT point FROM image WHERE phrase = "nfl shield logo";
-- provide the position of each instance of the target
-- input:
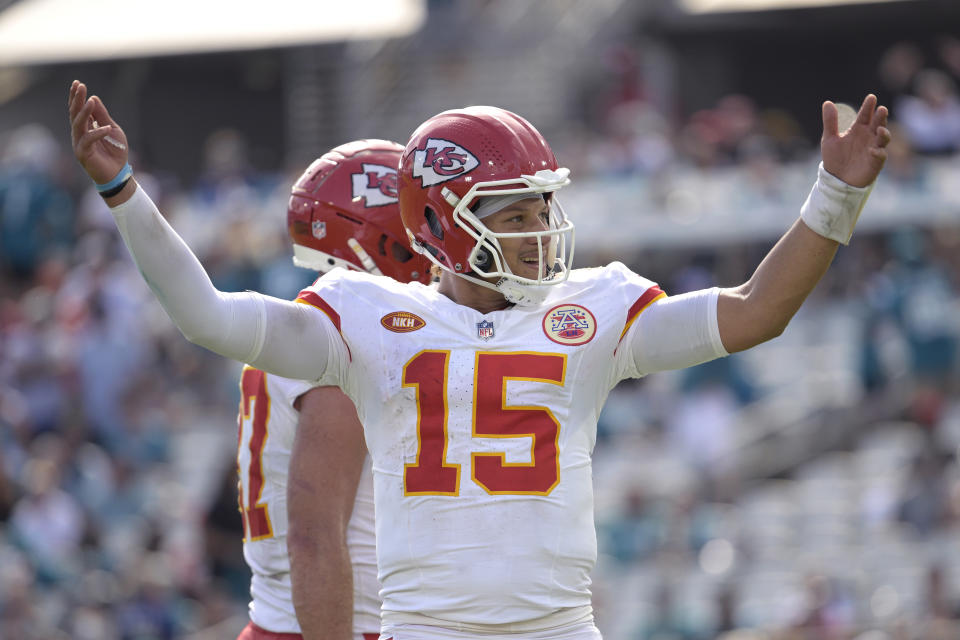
(485, 329)
(319, 229)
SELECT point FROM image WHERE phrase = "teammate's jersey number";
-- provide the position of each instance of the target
(431, 474)
(254, 415)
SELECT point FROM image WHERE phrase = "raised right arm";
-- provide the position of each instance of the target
(281, 337)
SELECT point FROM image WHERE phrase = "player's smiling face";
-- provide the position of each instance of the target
(526, 216)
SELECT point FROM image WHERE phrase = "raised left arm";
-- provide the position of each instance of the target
(761, 308)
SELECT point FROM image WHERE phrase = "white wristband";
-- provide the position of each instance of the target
(833, 206)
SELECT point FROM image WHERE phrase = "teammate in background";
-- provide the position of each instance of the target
(480, 416)
(343, 212)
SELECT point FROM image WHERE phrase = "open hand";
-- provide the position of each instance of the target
(99, 143)
(856, 155)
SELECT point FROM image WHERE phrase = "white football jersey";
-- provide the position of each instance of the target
(481, 429)
(267, 424)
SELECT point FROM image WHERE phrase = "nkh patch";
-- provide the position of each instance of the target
(485, 329)
(569, 324)
(402, 322)
(319, 229)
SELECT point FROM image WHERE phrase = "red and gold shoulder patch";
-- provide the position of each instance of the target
(569, 324)
(402, 322)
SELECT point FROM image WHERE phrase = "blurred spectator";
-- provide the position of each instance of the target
(638, 531)
(639, 141)
(737, 122)
(913, 295)
(110, 355)
(941, 604)
(785, 135)
(702, 428)
(930, 115)
(924, 502)
(223, 530)
(726, 603)
(903, 166)
(948, 48)
(152, 610)
(669, 621)
(47, 522)
(828, 611)
(899, 65)
(36, 213)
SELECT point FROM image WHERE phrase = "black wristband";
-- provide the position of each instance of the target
(117, 189)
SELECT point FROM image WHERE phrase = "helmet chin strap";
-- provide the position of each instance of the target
(523, 295)
(518, 293)
(364, 257)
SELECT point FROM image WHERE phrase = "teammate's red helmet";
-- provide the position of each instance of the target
(461, 155)
(343, 212)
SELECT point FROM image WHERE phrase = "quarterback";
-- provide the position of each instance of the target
(479, 399)
(342, 212)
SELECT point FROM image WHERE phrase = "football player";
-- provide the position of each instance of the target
(479, 400)
(342, 212)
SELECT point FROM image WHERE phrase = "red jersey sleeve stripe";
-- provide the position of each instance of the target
(649, 296)
(312, 299)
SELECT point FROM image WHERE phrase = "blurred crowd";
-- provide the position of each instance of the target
(632, 133)
(117, 475)
(809, 488)
(848, 528)
(118, 488)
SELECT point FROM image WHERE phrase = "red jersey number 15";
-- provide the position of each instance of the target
(431, 474)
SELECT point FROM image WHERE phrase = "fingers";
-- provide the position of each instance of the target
(89, 115)
(74, 88)
(879, 117)
(86, 142)
(866, 113)
(831, 120)
(80, 117)
(883, 137)
(100, 113)
(874, 117)
(78, 95)
(77, 102)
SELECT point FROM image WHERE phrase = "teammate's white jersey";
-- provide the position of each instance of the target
(481, 429)
(267, 424)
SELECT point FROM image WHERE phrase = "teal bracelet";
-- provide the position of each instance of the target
(114, 187)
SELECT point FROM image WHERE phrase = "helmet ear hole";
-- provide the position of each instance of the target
(400, 253)
(484, 258)
(433, 221)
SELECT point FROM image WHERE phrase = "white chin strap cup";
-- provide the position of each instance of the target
(524, 295)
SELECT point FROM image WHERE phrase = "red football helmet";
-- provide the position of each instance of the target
(461, 155)
(343, 212)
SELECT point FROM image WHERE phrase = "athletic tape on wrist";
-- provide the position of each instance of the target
(118, 181)
(833, 206)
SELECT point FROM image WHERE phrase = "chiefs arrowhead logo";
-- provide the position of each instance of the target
(441, 160)
(377, 185)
